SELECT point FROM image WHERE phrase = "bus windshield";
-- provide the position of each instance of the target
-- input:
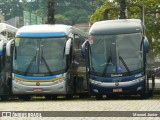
(116, 53)
(39, 55)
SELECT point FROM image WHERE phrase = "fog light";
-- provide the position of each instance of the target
(139, 88)
(95, 90)
(60, 88)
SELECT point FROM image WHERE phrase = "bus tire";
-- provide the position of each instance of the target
(150, 94)
(112, 96)
(25, 98)
(69, 97)
(99, 97)
(144, 95)
(83, 95)
(48, 97)
(4, 98)
(54, 97)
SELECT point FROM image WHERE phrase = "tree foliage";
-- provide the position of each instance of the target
(11, 8)
(99, 13)
(73, 11)
(76, 11)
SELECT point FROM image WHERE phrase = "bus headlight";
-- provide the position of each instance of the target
(139, 88)
(139, 79)
(16, 81)
(59, 81)
(95, 90)
(95, 82)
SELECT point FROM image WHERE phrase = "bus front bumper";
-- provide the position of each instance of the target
(39, 88)
(117, 88)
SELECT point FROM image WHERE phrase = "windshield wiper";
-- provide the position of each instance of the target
(49, 70)
(45, 62)
(124, 64)
(105, 69)
(30, 64)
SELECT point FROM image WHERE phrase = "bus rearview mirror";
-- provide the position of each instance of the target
(8, 47)
(84, 49)
(146, 45)
(68, 46)
(1, 47)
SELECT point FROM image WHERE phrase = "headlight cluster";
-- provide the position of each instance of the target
(95, 82)
(139, 79)
(58, 81)
(16, 81)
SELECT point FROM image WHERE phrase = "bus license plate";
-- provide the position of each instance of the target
(37, 89)
(117, 90)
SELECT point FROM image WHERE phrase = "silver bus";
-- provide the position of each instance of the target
(47, 60)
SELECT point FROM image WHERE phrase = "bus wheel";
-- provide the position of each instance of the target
(83, 95)
(99, 97)
(48, 97)
(69, 96)
(112, 96)
(26, 98)
(54, 97)
(144, 95)
(150, 94)
(4, 98)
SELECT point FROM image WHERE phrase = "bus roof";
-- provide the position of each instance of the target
(7, 28)
(121, 26)
(46, 30)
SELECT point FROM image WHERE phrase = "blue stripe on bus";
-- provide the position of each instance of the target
(113, 79)
(41, 34)
(38, 77)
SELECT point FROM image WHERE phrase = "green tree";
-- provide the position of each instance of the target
(37, 7)
(76, 11)
(73, 11)
(62, 19)
(98, 15)
(11, 8)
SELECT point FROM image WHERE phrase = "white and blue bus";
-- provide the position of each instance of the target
(47, 60)
(117, 59)
(7, 33)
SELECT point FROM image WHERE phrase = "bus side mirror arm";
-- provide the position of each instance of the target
(8, 48)
(84, 49)
(146, 45)
(68, 46)
(1, 47)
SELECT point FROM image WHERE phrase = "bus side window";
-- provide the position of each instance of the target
(2, 59)
(77, 48)
(4, 56)
(1, 62)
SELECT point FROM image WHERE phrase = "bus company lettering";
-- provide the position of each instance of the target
(116, 75)
(138, 75)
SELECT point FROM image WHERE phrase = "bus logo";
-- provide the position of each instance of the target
(116, 75)
(117, 83)
(38, 84)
